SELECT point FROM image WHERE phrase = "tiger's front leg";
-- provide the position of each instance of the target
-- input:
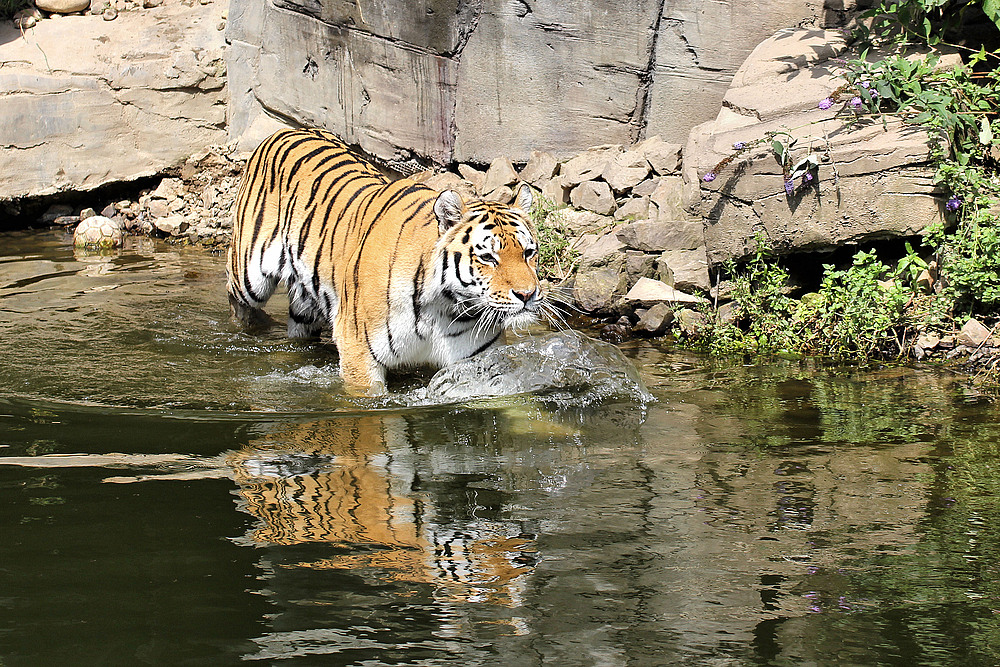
(362, 374)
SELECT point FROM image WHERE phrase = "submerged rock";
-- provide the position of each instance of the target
(565, 368)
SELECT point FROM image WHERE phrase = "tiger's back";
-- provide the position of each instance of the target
(387, 264)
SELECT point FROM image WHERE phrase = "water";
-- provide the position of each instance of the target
(176, 492)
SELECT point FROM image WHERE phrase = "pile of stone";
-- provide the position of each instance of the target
(635, 253)
(193, 206)
(197, 204)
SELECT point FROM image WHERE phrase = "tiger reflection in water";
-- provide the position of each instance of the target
(353, 482)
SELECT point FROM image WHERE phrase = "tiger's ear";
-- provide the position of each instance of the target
(448, 208)
(524, 198)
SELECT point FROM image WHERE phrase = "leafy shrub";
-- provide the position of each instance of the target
(857, 313)
(555, 257)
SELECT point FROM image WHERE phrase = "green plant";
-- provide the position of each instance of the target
(925, 21)
(911, 266)
(858, 312)
(763, 310)
(971, 262)
(555, 256)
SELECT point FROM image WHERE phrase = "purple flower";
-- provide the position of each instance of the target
(856, 103)
(789, 187)
(953, 204)
(709, 177)
(825, 103)
(865, 84)
(739, 145)
(873, 93)
(807, 178)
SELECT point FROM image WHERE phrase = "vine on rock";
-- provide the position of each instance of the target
(871, 309)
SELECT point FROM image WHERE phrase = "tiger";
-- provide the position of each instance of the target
(402, 274)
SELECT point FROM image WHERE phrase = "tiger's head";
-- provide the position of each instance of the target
(489, 257)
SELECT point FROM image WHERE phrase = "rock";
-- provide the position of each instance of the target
(727, 313)
(604, 250)
(593, 196)
(639, 265)
(576, 222)
(55, 211)
(501, 173)
(158, 208)
(636, 208)
(616, 333)
(664, 158)
(973, 333)
(27, 18)
(928, 340)
(925, 282)
(454, 83)
(690, 322)
(556, 191)
(109, 14)
(62, 6)
(688, 269)
(504, 194)
(446, 180)
(541, 167)
(649, 291)
(564, 367)
(646, 188)
(657, 236)
(656, 321)
(474, 176)
(172, 225)
(586, 166)
(84, 108)
(626, 170)
(778, 88)
(596, 289)
(668, 198)
(98, 231)
(169, 189)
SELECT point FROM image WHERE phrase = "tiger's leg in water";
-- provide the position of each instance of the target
(248, 317)
(362, 374)
(305, 319)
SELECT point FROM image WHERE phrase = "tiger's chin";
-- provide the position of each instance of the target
(520, 319)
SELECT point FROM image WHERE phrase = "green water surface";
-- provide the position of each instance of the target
(176, 492)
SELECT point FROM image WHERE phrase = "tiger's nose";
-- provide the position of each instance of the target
(525, 296)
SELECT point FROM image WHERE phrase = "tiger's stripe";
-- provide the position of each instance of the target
(404, 275)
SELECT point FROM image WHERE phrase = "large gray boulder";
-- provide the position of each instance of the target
(463, 81)
(872, 182)
(84, 102)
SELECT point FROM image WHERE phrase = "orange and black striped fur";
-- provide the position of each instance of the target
(404, 275)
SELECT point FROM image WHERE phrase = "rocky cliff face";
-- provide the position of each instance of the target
(466, 80)
(86, 101)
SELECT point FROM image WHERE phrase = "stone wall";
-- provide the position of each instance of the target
(466, 80)
(86, 101)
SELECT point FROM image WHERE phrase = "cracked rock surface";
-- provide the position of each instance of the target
(85, 102)
(872, 182)
(464, 80)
